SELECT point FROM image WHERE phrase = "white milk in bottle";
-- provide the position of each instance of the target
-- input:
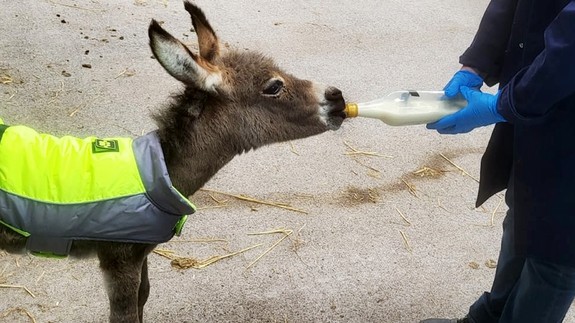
(403, 108)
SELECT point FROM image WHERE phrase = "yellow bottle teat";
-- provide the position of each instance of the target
(350, 110)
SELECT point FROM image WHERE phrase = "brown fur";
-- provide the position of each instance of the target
(202, 129)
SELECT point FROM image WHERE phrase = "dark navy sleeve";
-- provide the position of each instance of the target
(549, 79)
(486, 52)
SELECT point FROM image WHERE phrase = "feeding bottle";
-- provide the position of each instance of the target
(403, 108)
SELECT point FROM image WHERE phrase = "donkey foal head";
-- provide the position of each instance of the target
(239, 97)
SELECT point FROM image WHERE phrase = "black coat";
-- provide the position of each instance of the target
(528, 47)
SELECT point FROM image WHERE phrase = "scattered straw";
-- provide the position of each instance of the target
(427, 172)
(354, 195)
(286, 234)
(18, 287)
(473, 265)
(410, 187)
(253, 200)
(186, 263)
(461, 169)
(403, 216)
(404, 236)
(355, 151)
(19, 310)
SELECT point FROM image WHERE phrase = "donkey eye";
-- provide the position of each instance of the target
(273, 87)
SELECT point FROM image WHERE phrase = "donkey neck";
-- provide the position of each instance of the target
(195, 156)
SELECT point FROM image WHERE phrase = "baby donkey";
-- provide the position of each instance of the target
(118, 198)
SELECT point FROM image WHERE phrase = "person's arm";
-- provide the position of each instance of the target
(549, 79)
(485, 54)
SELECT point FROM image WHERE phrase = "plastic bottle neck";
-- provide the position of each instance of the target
(351, 110)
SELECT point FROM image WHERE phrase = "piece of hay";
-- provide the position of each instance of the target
(18, 287)
(286, 234)
(82, 106)
(377, 171)
(407, 245)
(461, 169)
(427, 172)
(495, 211)
(292, 149)
(217, 200)
(74, 112)
(403, 216)
(355, 151)
(11, 96)
(410, 187)
(40, 277)
(126, 73)
(250, 199)
(441, 206)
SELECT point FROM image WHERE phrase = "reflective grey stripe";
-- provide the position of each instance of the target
(154, 174)
(128, 219)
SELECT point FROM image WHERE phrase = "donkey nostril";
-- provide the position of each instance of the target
(333, 94)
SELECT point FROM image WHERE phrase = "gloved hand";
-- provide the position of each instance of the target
(462, 78)
(481, 110)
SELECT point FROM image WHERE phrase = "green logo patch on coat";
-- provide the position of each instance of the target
(105, 145)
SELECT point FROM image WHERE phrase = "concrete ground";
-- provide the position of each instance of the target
(390, 238)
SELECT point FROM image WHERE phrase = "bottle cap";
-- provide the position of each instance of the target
(350, 110)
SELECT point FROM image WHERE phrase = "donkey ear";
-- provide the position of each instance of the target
(182, 64)
(207, 39)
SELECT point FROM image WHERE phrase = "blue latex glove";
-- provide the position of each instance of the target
(462, 78)
(481, 110)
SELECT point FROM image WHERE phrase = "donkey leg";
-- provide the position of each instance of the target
(144, 290)
(122, 265)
